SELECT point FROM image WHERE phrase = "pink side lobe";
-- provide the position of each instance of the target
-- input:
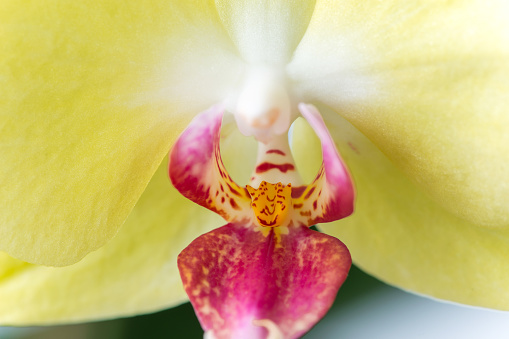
(234, 275)
(197, 171)
(331, 195)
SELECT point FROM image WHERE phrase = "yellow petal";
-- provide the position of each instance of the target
(267, 30)
(428, 84)
(136, 272)
(401, 236)
(93, 96)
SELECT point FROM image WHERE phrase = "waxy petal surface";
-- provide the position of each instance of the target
(403, 237)
(428, 84)
(197, 171)
(235, 274)
(331, 195)
(136, 272)
(93, 95)
(265, 31)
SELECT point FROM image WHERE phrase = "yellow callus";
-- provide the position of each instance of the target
(271, 203)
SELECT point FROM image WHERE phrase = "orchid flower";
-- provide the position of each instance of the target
(264, 268)
(95, 94)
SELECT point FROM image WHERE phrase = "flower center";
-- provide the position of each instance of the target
(271, 203)
(263, 105)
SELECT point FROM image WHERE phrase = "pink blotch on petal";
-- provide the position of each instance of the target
(234, 275)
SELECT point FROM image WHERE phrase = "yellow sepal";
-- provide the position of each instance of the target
(403, 237)
(428, 84)
(93, 96)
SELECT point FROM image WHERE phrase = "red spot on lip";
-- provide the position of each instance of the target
(234, 204)
(267, 166)
(233, 190)
(308, 194)
(266, 223)
(297, 191)
(275, 151)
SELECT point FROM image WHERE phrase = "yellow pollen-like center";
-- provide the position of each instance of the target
(271, 203)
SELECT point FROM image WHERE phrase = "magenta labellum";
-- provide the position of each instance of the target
(235, 275)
